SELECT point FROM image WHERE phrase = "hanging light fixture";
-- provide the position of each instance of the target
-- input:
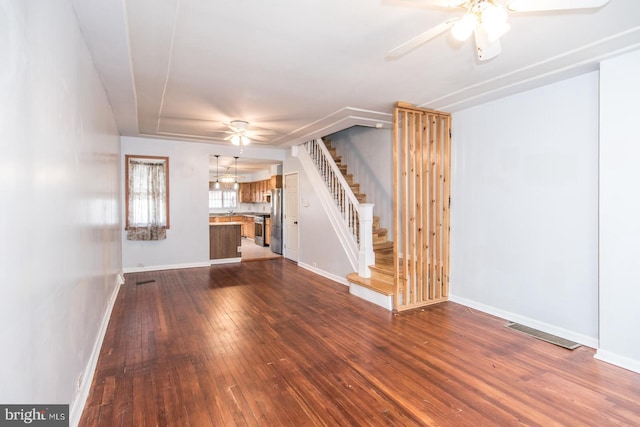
(216, 185)
(235, 184)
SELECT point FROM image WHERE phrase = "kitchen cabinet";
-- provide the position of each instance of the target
(275, 182)
(243, 192)
(248, 227)
(254, 192)
(224, 240)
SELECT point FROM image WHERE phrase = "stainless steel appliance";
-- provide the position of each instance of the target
(276, 220)
(259, 230)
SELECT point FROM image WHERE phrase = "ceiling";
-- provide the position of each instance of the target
(181, 69)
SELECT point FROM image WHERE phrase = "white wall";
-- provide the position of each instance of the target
(620, 211)
(320, 249)
(187, 242)
(524, 208)
(59, 227)
(367, 152)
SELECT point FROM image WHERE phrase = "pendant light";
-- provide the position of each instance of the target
(235, 184)
(217, 183)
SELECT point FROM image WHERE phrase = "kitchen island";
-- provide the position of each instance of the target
(224, 242)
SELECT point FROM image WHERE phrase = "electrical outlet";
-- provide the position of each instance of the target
(239, 249)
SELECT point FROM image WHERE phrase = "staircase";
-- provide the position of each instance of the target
(379, 288)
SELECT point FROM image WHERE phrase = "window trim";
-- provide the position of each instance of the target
(164, 160)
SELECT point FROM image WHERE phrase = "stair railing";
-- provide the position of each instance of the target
(358, 217)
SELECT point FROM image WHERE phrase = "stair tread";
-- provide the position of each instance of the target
(376, 282)
(383, 245)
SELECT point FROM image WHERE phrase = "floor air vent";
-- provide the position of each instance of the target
(543, 336)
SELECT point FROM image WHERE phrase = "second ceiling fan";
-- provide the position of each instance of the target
(486, 20)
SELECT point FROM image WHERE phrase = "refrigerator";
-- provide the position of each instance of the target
(276, 221)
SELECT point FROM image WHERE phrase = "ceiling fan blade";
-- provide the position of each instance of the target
(257, 137)
(431, 3)
(546, 5)
(420, 39)
(254, 133)
(485, 48)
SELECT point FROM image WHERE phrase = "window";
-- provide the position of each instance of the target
(223, 198)
(147, 197)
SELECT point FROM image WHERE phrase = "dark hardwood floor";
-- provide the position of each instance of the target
(269, 343)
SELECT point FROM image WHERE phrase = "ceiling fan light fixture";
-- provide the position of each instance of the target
(463, 29)
(239, 139)
(493, 19)
(239, 125)
(493, 14)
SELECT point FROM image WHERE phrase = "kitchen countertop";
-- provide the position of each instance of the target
(218, 224)
(266, 214)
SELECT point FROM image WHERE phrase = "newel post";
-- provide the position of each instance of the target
(366, 256)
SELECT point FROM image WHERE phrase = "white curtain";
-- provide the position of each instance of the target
(147, 213)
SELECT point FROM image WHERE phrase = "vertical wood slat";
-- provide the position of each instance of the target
(432, 211)
(421, 155)
(395, 218)
(421, 222)
(438, 209)
(446, 182)
(412, 276)
(403, 188)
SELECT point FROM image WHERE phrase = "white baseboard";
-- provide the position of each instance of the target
(80, 400)
(330, 276)
(165, 267)
(523, 320)
(618, 360)
(225, 261)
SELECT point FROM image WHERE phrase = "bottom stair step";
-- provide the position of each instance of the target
(380, 283)
(376, 289)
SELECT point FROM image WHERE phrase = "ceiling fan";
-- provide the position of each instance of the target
(487, 20)
(240, 135)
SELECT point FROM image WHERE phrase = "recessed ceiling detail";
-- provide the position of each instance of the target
(185, 69)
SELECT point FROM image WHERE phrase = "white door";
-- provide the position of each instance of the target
(291, 217)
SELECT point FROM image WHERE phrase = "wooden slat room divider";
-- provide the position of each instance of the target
(421, 151)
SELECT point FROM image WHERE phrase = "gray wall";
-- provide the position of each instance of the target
(619, 211)
(524, 224)
(60, 224)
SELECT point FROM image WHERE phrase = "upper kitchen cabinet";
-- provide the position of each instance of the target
(276, 182)
(258, 191)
